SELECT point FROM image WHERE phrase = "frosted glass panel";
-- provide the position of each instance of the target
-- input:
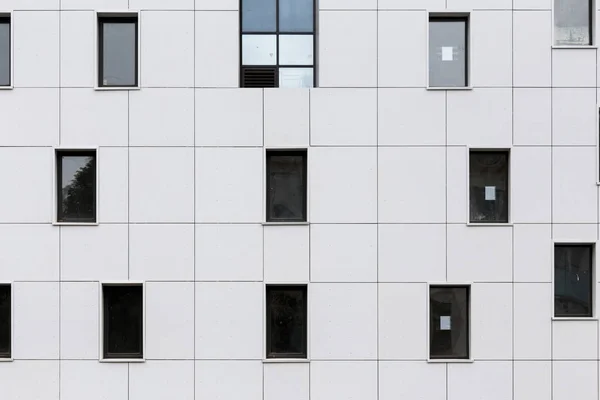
(295, 50)
(259, 49)
(296, 77)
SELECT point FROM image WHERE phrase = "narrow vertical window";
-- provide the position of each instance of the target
(448, 51)
(449, 322)
(5, 51)
(117, 51)
(5, 321)
(573, 280)
(488, 186)
(76, 185)
(286, 321)
(573, 22)
(123, 321)
(277, 43)
(286, 186)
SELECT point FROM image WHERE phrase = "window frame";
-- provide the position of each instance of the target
(592, 29)
(7, 15)
(452, 15)
(292, 152)
(286, 357)
(509, 186)
(9, 357)
(116, 16)
(593, 277)
(57, 193)
(102, 339)
(277, 33)
(469, 287)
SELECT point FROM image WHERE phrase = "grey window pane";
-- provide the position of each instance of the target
(119, 54)
(488, 180)
(296, 49)
(573, 280)
(296, 15)
(286, 176)
(296, 77)
(259, 49)
(449, 324)
(77, 188)
(448, 52)
(4, 54)
(259, 16)
(572, 22)
(286, 322)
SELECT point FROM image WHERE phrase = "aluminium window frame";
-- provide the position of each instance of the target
(294, 152)
(7, 15)
(12, 321)
(98, 67)
(277, 32)
(592, 25)
(102, 329)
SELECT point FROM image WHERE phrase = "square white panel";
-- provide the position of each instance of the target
(585, 347)
(229, 320)
(532, 380)
(531, 184)
(574, 116)
(92, 380)
(347, 4)
(343, 380)
(533, 253)
(16, 380)
(533, 312)
(533, 4)
(291, 379)
(162, 380)
(19, 261)
(574, 68)
(532, 116)
(217, 61)
(78, 48)
(229, 380)
(286, 118)
(411, 380)
(79, 319)
(575, 380)
(491, 321)
(532, 37)
(120, 5)
(343, 321)
(113, 184)
(229, 185)
(17, 106)
(491, 52)
(478, 4)
(161, 5)
(411, 184)
(286, 254)
(490, 380)
(343, 117)
(411, 4)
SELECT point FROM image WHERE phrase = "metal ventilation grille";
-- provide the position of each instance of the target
(259, 77)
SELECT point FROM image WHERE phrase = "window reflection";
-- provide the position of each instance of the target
(573, 280)
(572, 22)
(77, 187)
(296, 15)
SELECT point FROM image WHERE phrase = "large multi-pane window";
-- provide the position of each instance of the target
(76, 186)
(448, 51)
(5, 51)
(573, 280)
(277, 43)
(117, 51)
(449, 322)
(573, 22)
(489, 186)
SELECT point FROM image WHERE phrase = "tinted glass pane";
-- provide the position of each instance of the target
(296, 15)
(488, 179)
(123, 321)
(447, 53)
(4, 52)
(286, 187)
(77, 187)
(5, 321)
(296, 49)
(296, 77)
(286, 322)
(259, 50)
(449, 325)
(259, 16)
(119, 54)
(573, 280)
(572, 22)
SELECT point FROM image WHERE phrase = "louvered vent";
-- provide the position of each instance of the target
(259, 77)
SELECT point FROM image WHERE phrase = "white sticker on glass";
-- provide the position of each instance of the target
(445, 323)
(490, 192)
(447, 53)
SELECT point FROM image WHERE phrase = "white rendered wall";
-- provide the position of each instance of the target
(181, 205)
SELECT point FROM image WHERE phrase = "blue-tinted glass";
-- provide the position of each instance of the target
(258, 16)
(296, 15)
(4, 53)
(119, 50)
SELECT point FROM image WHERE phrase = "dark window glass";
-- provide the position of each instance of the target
(573, 22)
(286, 189)
(488, 180)
(5, 51)
(296, 15)
(118, 51)
(573, 280)
(259, 15)
(76, 181)
(5, 348)
(448, 52)
(449, 322)
(286, 322)
(123, 321)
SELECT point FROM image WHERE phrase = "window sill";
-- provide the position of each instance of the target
(490, 224)
(6, 359)
(11, 87)
(115, 88)
(288, 223)
(122, 360)
(449, 88)
(574, 47)
(450, 360)
(286, 361)
(75, 223)
(574, 318)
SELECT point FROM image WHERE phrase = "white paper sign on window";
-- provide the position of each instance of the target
(447, 53)
(445, 323)
(490, 192)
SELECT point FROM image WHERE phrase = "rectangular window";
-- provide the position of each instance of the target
(277, 43)
(5, 321)
(573, 280)
(573, 22)
(123, 321)
(488, 186)
(286, 185)
(5, 51)
(448, 51)
(118, 51)
(286, 321)
(76, 185)
(449, 322)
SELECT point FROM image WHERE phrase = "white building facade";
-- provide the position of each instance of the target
(394, 204)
